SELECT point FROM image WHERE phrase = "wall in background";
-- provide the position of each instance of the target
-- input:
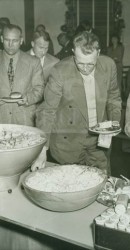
(49, 12)
(52, 14)
(14, 10)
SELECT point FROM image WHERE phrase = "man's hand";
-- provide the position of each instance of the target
(40, 161)
(1, 102)
(23, 102)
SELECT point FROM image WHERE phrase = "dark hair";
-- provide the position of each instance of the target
(115, 35)
(86, 41)
(11, 27)
(61, 35)
(41, 27)
(43, 34)
(84, 25)
(4, 21)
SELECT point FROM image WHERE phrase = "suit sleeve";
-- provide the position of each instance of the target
(35, 92)
(127, 118)
(46, 112)
(114, 99)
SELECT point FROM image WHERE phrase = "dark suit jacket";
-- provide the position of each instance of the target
(65, 51)
(64, 111)
(28, 81)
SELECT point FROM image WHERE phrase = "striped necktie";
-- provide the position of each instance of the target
(11, 73)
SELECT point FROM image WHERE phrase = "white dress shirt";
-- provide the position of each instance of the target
(7, 60)
(89, 85)
(41, 59)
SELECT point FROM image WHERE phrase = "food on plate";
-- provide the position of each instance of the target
(107, 126)
(17, 139)
(15, 95)
(65, 178)
(112, 189)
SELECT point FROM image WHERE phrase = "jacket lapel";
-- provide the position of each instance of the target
(20, 68)
(46, 62)
(78, 92)
(3, 72)
(46, 67)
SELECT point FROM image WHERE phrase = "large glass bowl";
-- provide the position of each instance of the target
(14, 161)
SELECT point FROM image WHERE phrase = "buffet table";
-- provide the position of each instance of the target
(25, 226)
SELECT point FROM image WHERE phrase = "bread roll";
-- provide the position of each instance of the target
(15, 95)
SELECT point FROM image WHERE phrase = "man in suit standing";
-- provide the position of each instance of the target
(40, 44)
(82, 91)
(19, 72)
(41, 27)
(65, 41)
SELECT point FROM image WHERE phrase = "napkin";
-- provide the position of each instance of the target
(104, 140)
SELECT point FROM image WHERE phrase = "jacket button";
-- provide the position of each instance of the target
(65, 137)
(70, 106)
(10, 113)
(71, 122)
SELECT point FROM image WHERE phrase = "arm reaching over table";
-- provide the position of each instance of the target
(40, 160)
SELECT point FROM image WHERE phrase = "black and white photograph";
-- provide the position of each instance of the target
(64, 124)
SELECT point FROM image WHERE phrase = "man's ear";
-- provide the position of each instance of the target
(99, 52)
(21, 40)
(2, 39)
(32, 43)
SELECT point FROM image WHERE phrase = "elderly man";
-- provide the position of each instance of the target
(82, 91)
(40, 44)
(22, 73)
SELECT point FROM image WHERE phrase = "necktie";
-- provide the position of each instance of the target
(11, 73)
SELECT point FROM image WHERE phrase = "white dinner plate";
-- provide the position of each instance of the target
(107, 127)
(105, 131)
(10, 100)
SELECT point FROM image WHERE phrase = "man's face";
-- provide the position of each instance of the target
(114, 40)
(63, 40)
(12, 41)
(40, 47)
(85, 63)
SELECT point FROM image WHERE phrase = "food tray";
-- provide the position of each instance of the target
(110, 239)
(106, 238)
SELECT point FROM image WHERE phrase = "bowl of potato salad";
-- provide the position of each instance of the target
(19, 146)
(64, 188)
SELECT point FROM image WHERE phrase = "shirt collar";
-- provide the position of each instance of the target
(41, 59)
(15, 57)
(90, 75)
(32, 52)
(7, 59)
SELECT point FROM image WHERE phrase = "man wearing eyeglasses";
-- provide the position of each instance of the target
(82, 91)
